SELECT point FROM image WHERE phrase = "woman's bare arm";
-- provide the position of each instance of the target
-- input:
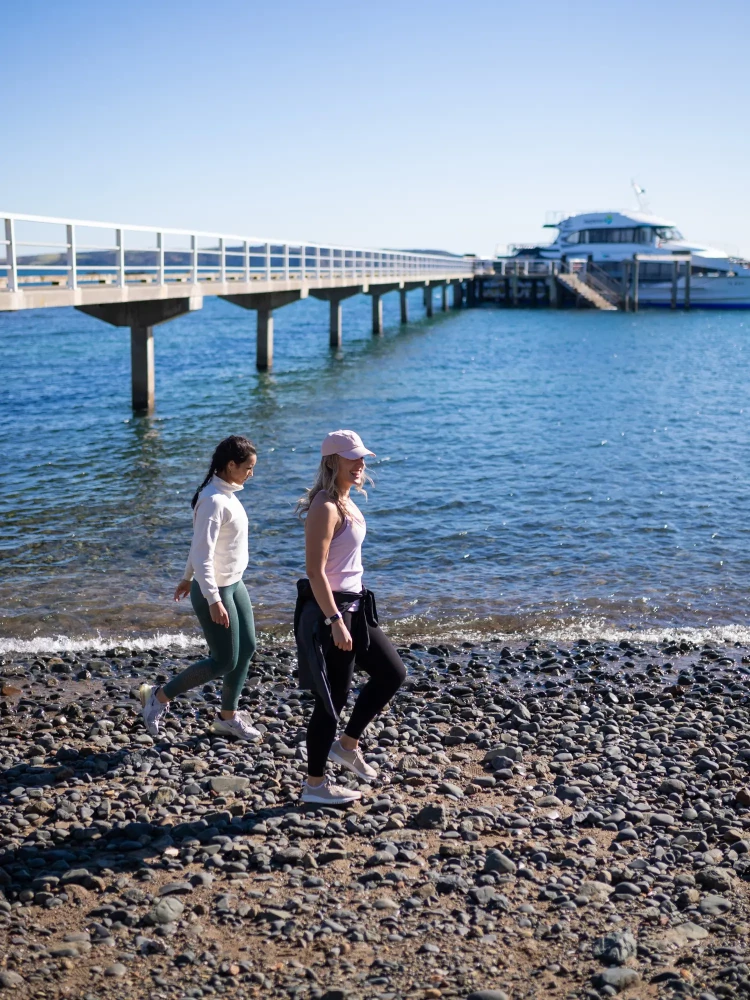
(320, 526)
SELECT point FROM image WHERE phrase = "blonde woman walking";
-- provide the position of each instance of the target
(336, 622)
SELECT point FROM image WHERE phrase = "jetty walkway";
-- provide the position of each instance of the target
(139, 277)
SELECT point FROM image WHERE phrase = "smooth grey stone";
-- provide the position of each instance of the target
(117, 970)
(714, 906)
(166, 910)
(447, 788)
(228, 783)
(548, 802)
(496, 861)
(670, 785)
(618, 978)
(685, 934)
(379, 858)
(10, 980)
(627, 889)
(176, 889)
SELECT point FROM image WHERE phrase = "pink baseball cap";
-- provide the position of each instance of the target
(348, 444)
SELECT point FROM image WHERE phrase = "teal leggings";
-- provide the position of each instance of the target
(231, 648)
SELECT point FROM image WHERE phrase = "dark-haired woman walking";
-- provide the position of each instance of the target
(213, 578)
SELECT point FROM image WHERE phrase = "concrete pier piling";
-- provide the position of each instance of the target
(444, 293)
(377, 314)
(265, 303)
(404, 305)
(142, 367)
(335, 296)
(264, 340)
(428, 300)
(142, 317)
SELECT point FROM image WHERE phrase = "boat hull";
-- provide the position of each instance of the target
(705, 293)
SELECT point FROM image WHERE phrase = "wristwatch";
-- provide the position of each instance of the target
(333, 618)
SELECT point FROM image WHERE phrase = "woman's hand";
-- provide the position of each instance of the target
(341, 637)
(182, 589)
(219, 614)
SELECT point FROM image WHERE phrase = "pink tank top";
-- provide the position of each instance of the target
(344, 563)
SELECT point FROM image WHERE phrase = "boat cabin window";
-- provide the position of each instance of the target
(638, 234)
(668, 233)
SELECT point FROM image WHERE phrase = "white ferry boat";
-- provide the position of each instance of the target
(608, 239)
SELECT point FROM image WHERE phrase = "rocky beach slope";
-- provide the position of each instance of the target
(549, 821)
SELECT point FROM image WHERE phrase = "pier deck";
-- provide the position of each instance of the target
(139, 277)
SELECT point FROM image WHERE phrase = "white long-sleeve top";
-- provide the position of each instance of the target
(218, 554)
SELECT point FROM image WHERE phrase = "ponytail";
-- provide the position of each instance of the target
(232, 449)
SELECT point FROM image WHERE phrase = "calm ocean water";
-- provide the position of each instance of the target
(536, 471)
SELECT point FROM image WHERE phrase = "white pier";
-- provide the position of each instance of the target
(138, 277)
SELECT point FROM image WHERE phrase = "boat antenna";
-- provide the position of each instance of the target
(643, 205)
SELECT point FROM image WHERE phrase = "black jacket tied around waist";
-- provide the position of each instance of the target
(314, 637)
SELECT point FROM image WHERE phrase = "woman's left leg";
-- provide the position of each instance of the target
(387, 674)
(243, 627)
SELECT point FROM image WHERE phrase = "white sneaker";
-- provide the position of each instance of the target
(153, 709)
(352, 760)
(329, 794)
(239, 727)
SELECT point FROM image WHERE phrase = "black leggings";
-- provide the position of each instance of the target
(387, 674)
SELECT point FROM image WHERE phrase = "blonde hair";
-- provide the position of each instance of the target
(325, 482)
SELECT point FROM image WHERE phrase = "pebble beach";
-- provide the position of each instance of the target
(548, 821)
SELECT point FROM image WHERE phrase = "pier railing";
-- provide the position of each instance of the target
(525, 267)
(39, 250)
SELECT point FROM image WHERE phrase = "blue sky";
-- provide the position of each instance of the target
(412, 124)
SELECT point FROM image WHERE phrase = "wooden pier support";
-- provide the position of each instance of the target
(444, 302)
(404, 305)
(142, 317)
(458, 294)
(428, 300)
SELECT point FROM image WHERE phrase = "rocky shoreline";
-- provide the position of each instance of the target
(549, 822)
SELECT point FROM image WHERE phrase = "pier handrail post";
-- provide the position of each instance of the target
(194, 260)
(160, 274)
(246, 259)
(268, 261)
(222, 260)
(120, 258)
(10, 255)
(70, 239)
